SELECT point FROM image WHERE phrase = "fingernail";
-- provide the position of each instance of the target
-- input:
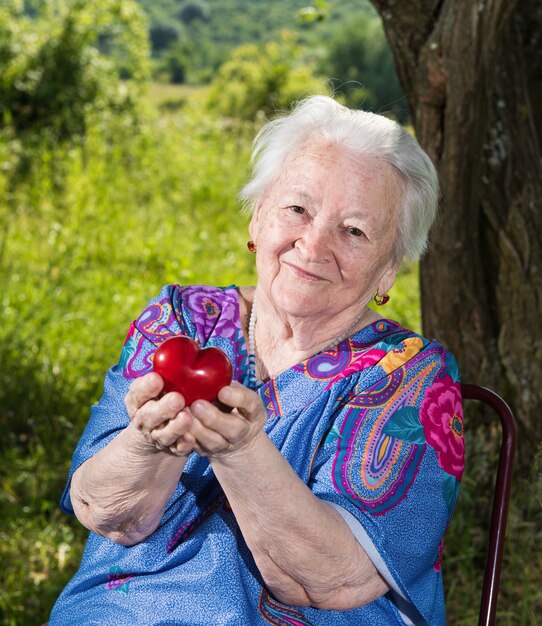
(174, 402)
(198, 405)
(226, 393)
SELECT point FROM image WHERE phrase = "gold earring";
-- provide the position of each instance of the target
(381, 300)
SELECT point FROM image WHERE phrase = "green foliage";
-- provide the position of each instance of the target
(263, 78)
(163, 36)
(86, 238)
(63, 65)
(212, 29)
(361, 66)
(343, 41)
(94, 231)
(174, 65)
(317, 12)
(180, 63)
(520, 595)
(90, 230)
(343, 44)
(225, 24)
(194, 11)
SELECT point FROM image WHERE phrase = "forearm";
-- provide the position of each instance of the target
(121, 491)
(303, 548)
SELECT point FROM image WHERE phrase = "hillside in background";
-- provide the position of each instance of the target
(228, 23)
(256, 55)
(346, 50)
(202, 33)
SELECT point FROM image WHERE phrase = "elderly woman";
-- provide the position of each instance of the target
(318, 490)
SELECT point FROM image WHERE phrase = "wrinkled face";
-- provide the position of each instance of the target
(325, 231)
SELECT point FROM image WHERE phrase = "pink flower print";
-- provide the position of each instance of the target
(213, 311)
(360, 362)
(441, 415)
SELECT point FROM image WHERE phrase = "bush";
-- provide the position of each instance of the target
(66, 63)
(194, 11)
(263, 78)
(163, 36)
(362, 69)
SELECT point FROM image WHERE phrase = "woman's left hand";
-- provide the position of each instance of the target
(219, 433)
(305, 551)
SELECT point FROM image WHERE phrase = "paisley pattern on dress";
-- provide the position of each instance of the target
(373, 427)
(382, 440)
(157, 323)
(387, 466)
(328, 364)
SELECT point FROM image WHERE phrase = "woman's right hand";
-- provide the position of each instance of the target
(163, 421)
(121, 491)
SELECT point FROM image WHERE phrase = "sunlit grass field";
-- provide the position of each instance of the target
(87, 236)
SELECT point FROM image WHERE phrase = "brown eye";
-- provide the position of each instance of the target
(297, 209)
(355, 231)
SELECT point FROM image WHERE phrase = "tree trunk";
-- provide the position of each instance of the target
(470, 87)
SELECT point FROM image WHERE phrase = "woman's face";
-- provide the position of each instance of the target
(325, 232)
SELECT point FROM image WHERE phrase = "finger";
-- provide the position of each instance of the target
(141, 391)
(156, 412)
(209, 441)
(246, 401)
(167, 433)
(183, 446)
(231, 426)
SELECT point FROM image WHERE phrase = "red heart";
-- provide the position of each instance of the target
(196, 374)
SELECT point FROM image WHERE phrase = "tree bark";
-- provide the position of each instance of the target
(470, 87)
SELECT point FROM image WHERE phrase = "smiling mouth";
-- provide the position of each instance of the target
(303, 273)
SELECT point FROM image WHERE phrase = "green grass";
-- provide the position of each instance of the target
(86, 238)
(169, 97)
(520, 595)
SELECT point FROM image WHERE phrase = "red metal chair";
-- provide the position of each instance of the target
(501, 498)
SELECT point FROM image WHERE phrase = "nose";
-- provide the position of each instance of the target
(314, 246)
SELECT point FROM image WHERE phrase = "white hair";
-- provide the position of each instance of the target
(364, 135)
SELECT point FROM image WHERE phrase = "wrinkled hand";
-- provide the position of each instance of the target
(218, 433)
(163, 421)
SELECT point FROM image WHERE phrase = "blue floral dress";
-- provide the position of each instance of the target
(373, 426)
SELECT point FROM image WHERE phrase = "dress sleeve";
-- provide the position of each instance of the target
(160, 319)
(391, 465)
